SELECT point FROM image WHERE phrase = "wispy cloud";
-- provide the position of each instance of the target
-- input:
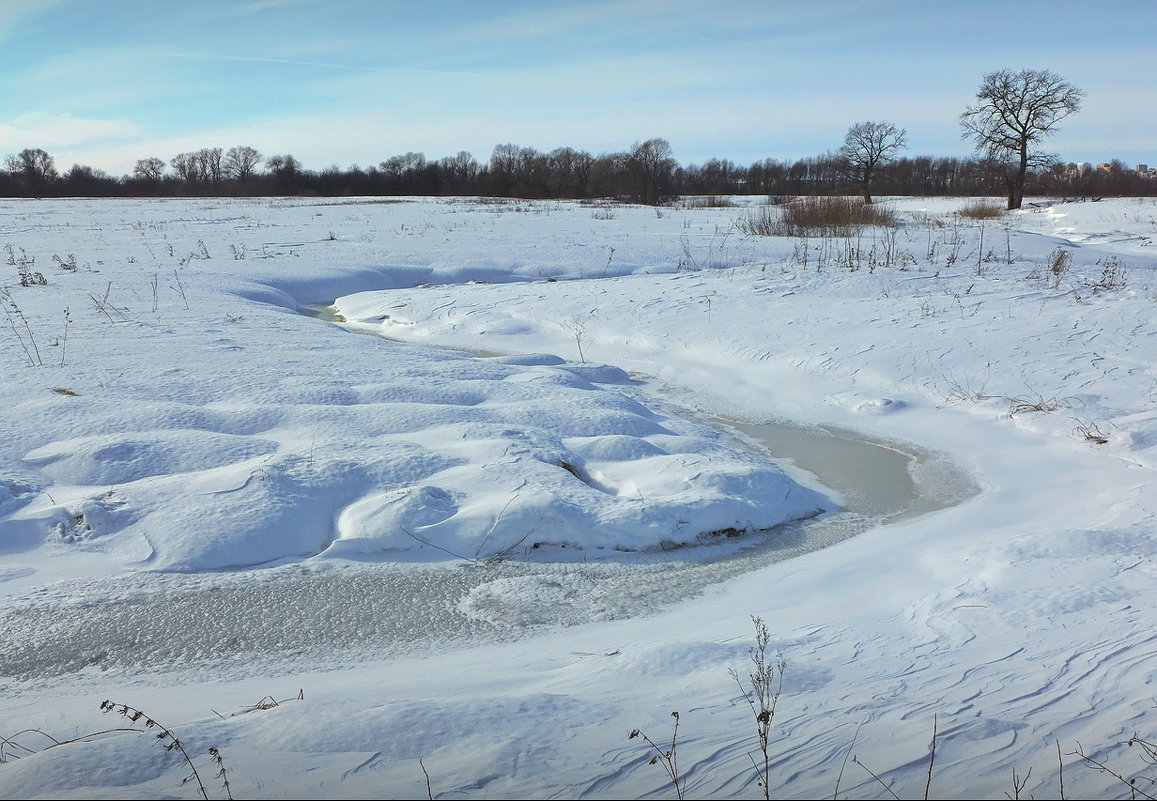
(257, 6)
(222, 57)
(14, 12)
(46, 130)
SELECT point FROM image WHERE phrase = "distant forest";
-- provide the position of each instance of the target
(645, 174)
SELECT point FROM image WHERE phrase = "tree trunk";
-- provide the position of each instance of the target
(1016, 190)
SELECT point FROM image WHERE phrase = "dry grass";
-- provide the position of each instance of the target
(1113, 274)
(817, 216)
(1060, 260)
(981, 209)
(1036, 403)
(1090, 432)
(760, 222)
(707, 202)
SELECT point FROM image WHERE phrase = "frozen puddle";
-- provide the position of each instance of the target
(877, 479)
(303, 614)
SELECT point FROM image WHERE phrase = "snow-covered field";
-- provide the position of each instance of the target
(531, 516)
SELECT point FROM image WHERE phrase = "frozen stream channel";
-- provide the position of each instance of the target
(293, 614)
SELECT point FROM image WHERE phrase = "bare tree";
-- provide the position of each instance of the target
(283, 166)
(405, 164)
(33, 166)
(652, 165)
(286, 170)
(609, 175)
(151, 169)
(1016, 110)
(568, 171)
(868, 147)
(716, 176)
(241, 162)
(460, 169)
(186, 166)
(210, 163)
(517, 171)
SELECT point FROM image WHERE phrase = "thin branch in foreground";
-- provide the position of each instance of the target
(133, 714)
(932, 760)
(668, 759)
(856, 761)
(1101, 767)
(429, 789)
(844, 764)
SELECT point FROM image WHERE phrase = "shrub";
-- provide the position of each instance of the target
(761, 222)
(708, 202)
(1113, 274)
(817, 216)
(1058, 265)
(981, 209)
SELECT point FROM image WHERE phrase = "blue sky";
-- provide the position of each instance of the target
(106, 82)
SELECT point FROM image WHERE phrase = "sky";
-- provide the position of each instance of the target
(344, 82)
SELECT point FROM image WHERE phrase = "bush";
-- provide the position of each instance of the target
(1058, 266)
(817, 216)
(707, 202)
(761, 222)
(981, 209)
(838, 216)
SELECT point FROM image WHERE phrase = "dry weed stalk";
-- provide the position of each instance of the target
(107, 308)
(1149, 755)
(668, 759)
(12, 749)
(64, 339)
(1038, 403)
(429, 787)
(1060, 260)
(1091, 432)
(766, 682)
(577, 326)
(1113, 274)
(961, 390)
(132, 714)
(21, 329)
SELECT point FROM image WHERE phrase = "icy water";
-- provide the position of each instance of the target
(299, 615)
(883, 480)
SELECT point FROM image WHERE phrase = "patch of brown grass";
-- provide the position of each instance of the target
(707, 202)
(981, 209)
(821, 216)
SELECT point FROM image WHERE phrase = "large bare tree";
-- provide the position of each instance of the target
(1014, 112)
(868, 147)
(652, 165)
(241, 162)
(33, 166)
(210, 163)
(151, 169)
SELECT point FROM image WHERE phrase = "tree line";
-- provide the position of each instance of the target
(525, 172)
(1016, 110)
